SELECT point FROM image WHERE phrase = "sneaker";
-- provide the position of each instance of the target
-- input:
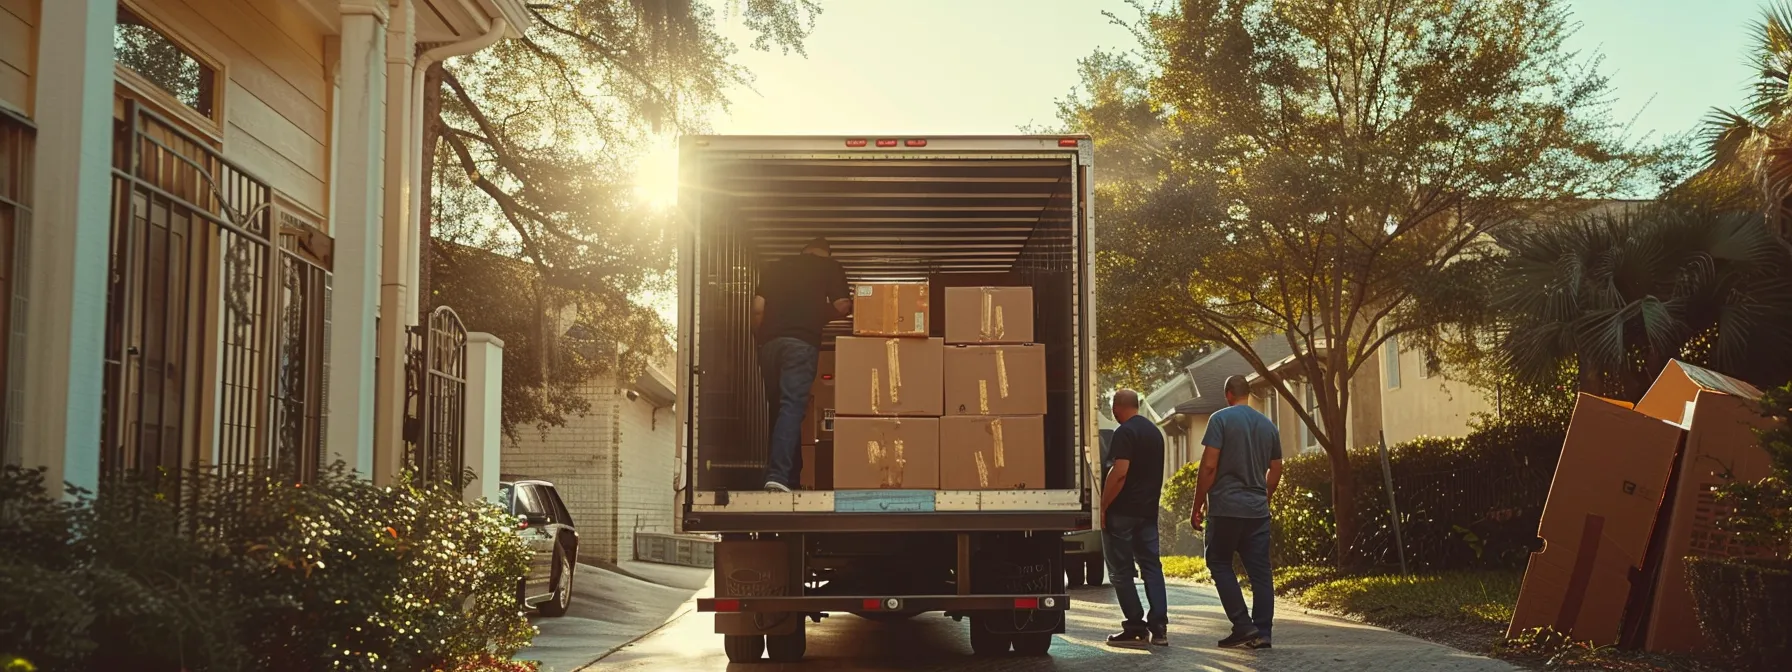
(1261, 644)
(1240, 640)
(774, 486)
(1129, 640)
(1160, 638)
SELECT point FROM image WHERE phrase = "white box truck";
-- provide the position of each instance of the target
(950, 211)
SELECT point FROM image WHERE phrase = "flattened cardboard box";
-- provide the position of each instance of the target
(992, 453)
(887, 377)
(989, 315)
(995, 380)
(1597, 521)
(1721, 444)
(890, 310)
(893, 453)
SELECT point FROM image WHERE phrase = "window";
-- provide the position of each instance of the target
(1390, 361)
(1273, 404)
(150, 54)
(528, 501)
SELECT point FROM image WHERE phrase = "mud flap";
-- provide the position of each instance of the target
(758, 623)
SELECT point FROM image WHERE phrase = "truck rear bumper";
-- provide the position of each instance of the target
(872, 604)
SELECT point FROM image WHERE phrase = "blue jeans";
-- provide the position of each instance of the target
(787, 366)
(1127, 541)
(1249, 538)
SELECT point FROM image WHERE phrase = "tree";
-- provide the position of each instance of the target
(1314, 171)
(532, 147)
(1748, 152)
(1620, 294)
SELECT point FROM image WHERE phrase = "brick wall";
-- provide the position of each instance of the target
(613, 467)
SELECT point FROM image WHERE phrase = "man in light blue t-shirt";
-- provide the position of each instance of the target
(1239, 471)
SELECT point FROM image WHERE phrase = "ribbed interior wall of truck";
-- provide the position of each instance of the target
(946, 220)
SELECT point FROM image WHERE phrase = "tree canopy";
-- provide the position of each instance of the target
(1316, 171)
(533, 146)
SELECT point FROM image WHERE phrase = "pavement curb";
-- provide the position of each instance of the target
(687, 609)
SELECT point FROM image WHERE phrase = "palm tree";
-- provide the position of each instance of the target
(1748, 153)
(1620, 294)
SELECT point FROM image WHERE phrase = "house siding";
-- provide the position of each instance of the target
(18, 49)
(1426, 406)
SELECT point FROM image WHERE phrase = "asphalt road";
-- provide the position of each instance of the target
(932, 642)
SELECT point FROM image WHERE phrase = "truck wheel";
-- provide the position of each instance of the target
(1033, 643)
(1073, 573)
(1098, 572)
(986, 643)
(743, 648)
(786, 648)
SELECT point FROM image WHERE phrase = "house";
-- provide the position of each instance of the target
(208, 233)
(1395, 393)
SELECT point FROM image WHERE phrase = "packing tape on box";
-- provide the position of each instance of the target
(876, 390)
(983, 397)
(982, 470)
(901, 464)
(992, 327)
(995, 428)
(874, 452)
(1002, 373)
(890, 311)
(893, 357)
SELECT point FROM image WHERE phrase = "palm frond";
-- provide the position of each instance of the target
(1726, 137)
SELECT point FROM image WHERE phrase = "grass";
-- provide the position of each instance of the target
(1468, 610)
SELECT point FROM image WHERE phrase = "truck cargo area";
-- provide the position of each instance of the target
(945, 217)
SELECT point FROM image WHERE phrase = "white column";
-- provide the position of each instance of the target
(69, 242)
(355, 193)
(485, 412)
(397, 311)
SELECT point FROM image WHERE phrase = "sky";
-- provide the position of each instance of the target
(994, 66)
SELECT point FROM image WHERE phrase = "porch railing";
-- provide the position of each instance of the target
(215, 332)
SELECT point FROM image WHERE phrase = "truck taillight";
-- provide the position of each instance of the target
(916, 143)
(727, 606)
(873, 604)
(886, 143)
(859, 142)
(1026, 603)
(1067, 142)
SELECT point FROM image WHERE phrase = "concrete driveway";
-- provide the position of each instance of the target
(610, 608)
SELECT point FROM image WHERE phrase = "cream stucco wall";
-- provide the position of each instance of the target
(1422, 405)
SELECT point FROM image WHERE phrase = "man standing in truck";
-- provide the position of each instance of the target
(796, 298)
(1240, 468)
(1129, 504)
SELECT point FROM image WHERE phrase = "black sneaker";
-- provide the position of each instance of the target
(1237, 641)
(1129, 640)
(1160, 638)
(1261, 644)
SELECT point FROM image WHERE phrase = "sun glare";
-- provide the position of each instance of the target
(656, 176)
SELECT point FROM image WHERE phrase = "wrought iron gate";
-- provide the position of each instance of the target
(436, 399)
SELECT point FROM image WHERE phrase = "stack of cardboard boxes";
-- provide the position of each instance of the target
(897, 408)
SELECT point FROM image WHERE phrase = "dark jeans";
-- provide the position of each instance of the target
(1249, 538)
(787, 366)
(1127, 541)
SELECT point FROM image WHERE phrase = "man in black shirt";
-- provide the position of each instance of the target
(795, 299)
(1129, 503)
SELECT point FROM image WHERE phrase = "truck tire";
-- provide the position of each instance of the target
(986, 643)
(1033, 643)
(787, 648)
(743, 648)
(1098, 572)
(1073, 573)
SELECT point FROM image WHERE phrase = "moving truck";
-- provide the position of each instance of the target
(970, 222)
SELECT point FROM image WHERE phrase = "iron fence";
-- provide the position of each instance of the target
(436, 404)
(215, 335)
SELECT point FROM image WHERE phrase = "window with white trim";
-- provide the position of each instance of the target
(1390, 362)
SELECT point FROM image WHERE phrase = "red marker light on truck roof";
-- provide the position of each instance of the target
(886, 143)
(915, 143)
(859, 142)
(1067, 142)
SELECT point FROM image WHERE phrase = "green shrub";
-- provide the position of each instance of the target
(1465, 502)
(249, 572)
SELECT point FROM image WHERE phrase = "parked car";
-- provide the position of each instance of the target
(543, 523)
(1084, 562)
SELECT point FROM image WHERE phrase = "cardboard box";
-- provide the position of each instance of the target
(1597, 521)
(818, 466)
(887, 377)
(992, 453)
(1721, 415)
(818, 420)
(890, 310)
(986, 315)
(995, 380)
(894, 453)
